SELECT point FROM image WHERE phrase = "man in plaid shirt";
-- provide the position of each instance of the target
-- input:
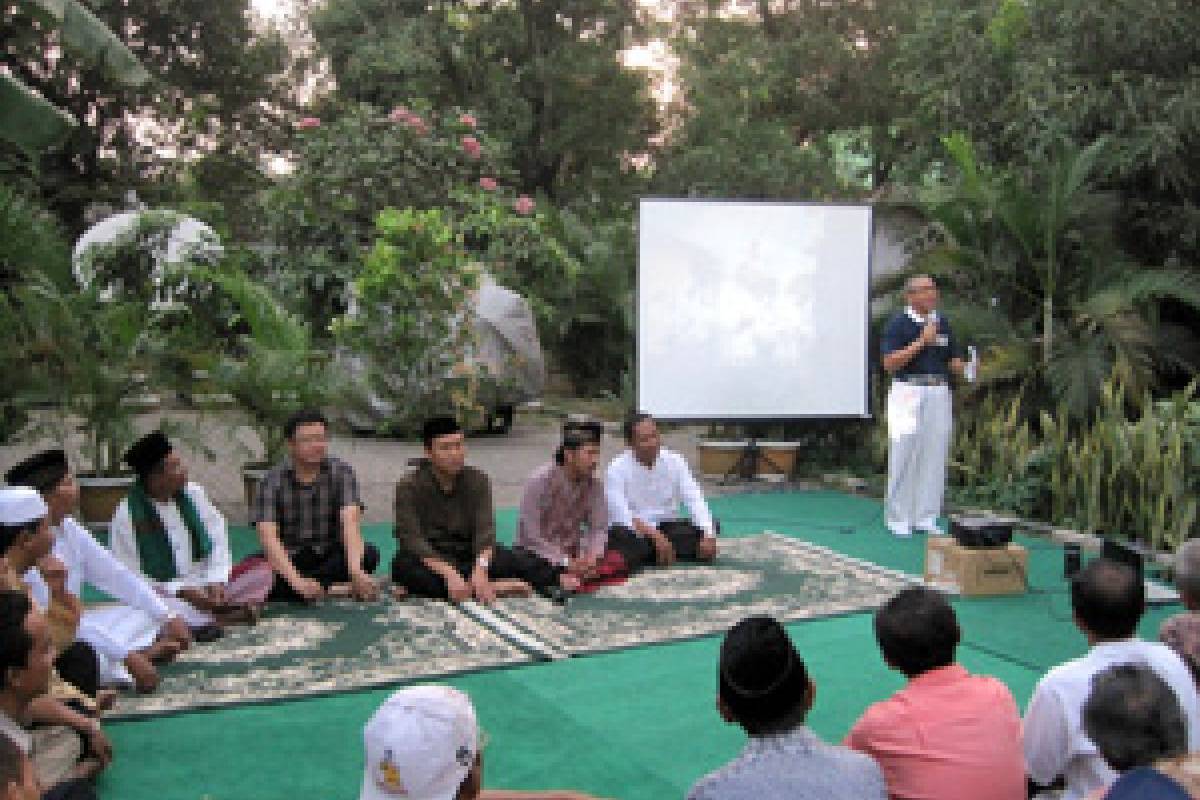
(307, 517)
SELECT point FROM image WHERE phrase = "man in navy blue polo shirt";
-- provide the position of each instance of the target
(920, 353)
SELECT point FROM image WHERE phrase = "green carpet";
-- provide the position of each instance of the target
(638, 723)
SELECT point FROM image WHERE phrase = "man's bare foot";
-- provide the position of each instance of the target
(236, 615)
(512, 587)
(87, 769)
(141, 669)
(163, 651)
(106, 699)
(339, 590)
(399, 592)
(569, 582)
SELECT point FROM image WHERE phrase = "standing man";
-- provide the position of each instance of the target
(167, 530)
(87, 561)
(919, 352)
(307, 517)
(563, 527)
(446, 527)
(645, 486)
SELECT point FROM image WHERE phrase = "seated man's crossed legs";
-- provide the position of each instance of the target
(509, 572)
(678, 540)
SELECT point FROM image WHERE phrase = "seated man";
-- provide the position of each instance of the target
(87, 562)
(167, 531)
(423, 743)
(946, 729)
(1107, 600)
(563, 525)
(764, 687)
(645, 485)
(25, 662)
(446, 527)
(307, 517)
(1134, 719)
(18, 780)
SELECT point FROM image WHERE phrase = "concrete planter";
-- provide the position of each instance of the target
(776, 458)
(99, 497)
(718, 458)
(252, 477)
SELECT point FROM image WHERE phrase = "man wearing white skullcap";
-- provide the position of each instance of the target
(424, 743)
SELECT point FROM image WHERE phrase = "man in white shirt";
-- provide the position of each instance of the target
(1107, 599)
(645, 486)
(87, 561)
(167, 531)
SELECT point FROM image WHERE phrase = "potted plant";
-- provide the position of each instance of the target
(270, 368)
(89, 356)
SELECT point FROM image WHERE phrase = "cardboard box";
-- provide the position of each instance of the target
(975, 572)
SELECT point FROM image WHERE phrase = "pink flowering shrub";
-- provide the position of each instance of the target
(524, 205)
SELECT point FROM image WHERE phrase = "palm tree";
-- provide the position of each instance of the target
(29, 120)
(1035, 269)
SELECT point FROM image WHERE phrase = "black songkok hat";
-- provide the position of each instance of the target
(762, 677)
(439, 426)
(581, 430)
(148, 452)
(42, 471)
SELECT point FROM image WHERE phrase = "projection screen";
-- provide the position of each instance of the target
(752, 310)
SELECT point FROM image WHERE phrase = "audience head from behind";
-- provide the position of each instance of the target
(1107, 600)
(917, 631)
(50, 473)
(1181, 632)
(26, 653)
(18, 781)
(25, 535)
(445, 445)
(580, 449)
(423, 743)
(307, 435)
(1134, 718)
(1187, 574)
(642, 436)
(763, 685)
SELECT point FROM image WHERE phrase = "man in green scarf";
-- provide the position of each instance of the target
(167, 530)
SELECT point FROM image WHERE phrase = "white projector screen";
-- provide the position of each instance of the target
(752, 310)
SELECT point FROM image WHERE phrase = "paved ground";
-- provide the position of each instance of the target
(508, 459)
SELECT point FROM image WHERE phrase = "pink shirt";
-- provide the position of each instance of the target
(945, 736)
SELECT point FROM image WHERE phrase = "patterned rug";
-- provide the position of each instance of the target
(341, 646)
(768, 573)
(297, 651)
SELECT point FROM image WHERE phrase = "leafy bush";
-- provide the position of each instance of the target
(1126, 475)
(409, 321)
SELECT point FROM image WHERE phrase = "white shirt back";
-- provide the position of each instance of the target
(1053, 738)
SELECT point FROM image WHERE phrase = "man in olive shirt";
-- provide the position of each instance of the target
(445, 526)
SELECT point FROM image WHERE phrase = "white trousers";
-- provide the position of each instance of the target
(116, 630)
(919, 428)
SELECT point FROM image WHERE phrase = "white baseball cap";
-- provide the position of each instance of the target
(421, 744)
(21, 505)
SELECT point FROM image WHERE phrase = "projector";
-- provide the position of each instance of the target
(978, 532)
